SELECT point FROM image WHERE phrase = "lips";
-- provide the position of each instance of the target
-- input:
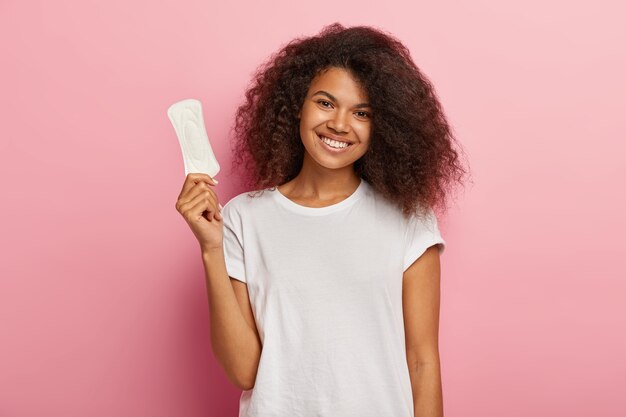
(332, 149)
(333, 137)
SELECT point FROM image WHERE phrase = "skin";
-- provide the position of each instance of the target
(420, 303)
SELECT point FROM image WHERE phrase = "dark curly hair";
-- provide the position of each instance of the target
(411, 160)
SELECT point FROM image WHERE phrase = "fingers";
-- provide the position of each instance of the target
(196, 198)
(194, 208)
(193, 179)
(196, 190)
(192, 189)
(197, 193)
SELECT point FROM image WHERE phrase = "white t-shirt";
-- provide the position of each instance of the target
(325, 286)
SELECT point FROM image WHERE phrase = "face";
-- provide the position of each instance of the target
(335, 108)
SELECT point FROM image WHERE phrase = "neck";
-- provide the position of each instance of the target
(315, 181)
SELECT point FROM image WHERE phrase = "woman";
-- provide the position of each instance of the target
(324, 285)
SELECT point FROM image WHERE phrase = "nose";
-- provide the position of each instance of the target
(339, 122)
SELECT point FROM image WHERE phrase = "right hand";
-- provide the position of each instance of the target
(199, 206)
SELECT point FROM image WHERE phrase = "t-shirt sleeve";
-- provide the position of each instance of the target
(233, 242)
(421, 233)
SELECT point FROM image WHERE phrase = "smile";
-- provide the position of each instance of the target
(333, 145)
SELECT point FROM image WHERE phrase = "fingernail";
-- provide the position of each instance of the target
(220, 206)
(216, 181)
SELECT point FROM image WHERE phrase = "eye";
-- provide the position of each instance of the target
(322, 102)
(364, 114)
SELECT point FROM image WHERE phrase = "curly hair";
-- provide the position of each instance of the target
(411, 159)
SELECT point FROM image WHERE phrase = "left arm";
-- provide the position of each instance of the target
(420, 304)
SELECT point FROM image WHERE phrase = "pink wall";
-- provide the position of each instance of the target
(103, 309)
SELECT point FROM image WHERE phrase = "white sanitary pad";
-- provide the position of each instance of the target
(186, 117)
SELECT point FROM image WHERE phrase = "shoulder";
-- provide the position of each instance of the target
(242, 198)
(245, 201)
(425, 220)
(382, 209)
(420, 224)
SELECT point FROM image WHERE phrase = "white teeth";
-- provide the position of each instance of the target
(333, 143)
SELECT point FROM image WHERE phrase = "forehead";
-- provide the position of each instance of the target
(338, 82)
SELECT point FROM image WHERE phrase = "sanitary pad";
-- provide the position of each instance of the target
(198, 156)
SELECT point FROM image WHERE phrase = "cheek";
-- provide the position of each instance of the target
(364, 133)
(317, 117)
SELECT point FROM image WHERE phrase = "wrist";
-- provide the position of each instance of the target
(209, 253)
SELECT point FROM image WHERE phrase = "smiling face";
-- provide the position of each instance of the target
(336, 107)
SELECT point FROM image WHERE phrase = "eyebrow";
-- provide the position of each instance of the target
(330, 96)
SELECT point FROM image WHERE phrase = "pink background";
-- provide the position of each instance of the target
(103, 309)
